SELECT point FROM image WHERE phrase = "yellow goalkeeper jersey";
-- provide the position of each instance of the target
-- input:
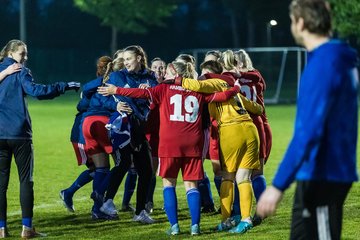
(226, 113)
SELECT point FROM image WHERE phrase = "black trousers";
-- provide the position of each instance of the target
(141, 157)
(24, 159)
(318, 209)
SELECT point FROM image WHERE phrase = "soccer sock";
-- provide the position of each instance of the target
(2, 223)
(246, 197)
(226, 198)
(27, 222)
(170, 204)
(259, 186)
(193, 198)
(129, 188)
(205, 192)
(217, 181)
(150, 196)
(100, 175)
(236, 204)
(81, 180)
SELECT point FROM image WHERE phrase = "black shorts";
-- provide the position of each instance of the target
(318, 209)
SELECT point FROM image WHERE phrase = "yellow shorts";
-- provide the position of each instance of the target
(239, 146)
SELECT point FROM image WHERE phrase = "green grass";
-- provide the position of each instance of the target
(55, 169)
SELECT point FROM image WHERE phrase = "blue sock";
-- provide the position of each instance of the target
(236, 204)
(27, 222)
(100, 174)
(205, 192)
(130, 185)
(2, 223)
(81, 180)
(170, 204)
(259, 186)
(193, 198)
(150, 196)
(217, 181)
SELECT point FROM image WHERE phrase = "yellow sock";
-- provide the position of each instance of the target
(226, 198)
(246, 198)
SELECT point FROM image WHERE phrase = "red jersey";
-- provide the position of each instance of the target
(181, 132)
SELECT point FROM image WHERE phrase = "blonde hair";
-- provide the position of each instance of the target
(244, 59)
(11, 46)
(183, 69)
(228, 60)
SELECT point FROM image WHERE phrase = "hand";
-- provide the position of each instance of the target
(109, 89)
(73, 86)
(124, 107)
(15, 67)
(268, 202)
(144, 85)
(237, 83)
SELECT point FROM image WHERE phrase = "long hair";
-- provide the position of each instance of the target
(244, 60)
(104, 67)
(138, 51)
(182, 68)
(228, 60)
(11, 46)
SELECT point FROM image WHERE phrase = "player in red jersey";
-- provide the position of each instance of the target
(181, 137)
(253, 86)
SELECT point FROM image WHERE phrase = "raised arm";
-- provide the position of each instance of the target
(110, 89)
(15, 67)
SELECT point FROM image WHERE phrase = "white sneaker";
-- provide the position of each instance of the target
(109, 208)
(143, 217)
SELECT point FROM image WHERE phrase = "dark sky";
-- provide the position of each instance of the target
(61, 38)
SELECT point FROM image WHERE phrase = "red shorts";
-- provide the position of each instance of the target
(96, 135)
(214, 143)
(268, 137)
(191, 168)
(80, 153)
(261, 131)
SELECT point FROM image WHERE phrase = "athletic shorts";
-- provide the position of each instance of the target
(261, 131)
(80, 153)
(239, 146)
(191, 168)
(214, 143)
(96, 135)
(268, 140)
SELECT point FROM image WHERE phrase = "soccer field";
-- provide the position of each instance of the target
(56, 168)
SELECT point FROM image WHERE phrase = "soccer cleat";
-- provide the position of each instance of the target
(102, 216)
(127, 208)
(67, 201)
(174, 230)
(4, 232)
(235, 220)
(109, 208)
(149, 207)
(256, 220)
(195, 229)
(143, 217)
(224, 226)
(242, 227)
(28, 233)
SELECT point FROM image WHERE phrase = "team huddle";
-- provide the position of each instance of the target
(164, 119)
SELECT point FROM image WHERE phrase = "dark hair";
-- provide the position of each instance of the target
(11, 46)
(316, 15)
(104, 67)
(213, 66)
(157, 59)
(138, 51)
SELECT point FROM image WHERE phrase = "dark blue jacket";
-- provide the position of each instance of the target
(15, 122)
(125, 79)
(323, 147)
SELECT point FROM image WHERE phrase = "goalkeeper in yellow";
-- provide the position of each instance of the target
(239, 147)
